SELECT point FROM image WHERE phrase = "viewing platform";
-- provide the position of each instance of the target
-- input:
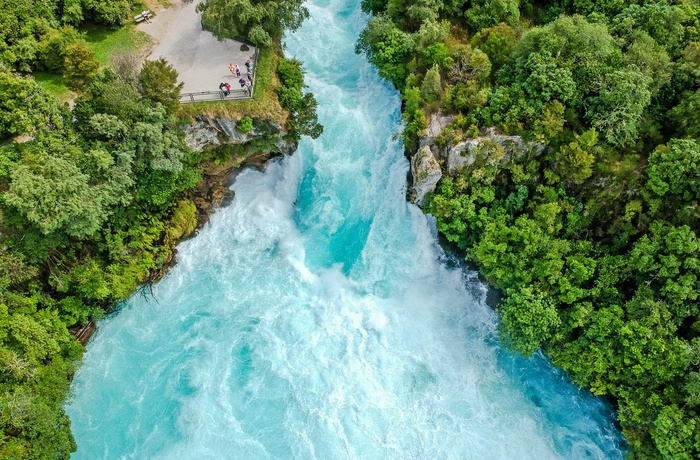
(202, 61)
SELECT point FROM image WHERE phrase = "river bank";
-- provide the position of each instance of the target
(315, 316)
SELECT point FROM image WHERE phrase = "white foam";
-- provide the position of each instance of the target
(269, 340)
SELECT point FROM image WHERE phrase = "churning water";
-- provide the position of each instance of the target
(316, 317)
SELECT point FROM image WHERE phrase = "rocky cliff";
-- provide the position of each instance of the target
(211, 132)
(230, 150)
(436, 156)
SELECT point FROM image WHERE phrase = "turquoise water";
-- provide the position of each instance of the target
(316, 317)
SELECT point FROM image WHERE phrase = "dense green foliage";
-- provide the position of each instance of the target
(302, 106)
(256, 20)
(35, 34)
(594, 242)
(90, 210)
(93, 198)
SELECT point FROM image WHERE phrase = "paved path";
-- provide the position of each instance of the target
(200, 59)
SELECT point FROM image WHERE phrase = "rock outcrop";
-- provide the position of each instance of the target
(436, 124)
(207, 132)
(262, 143)
(426, 174)
(464, 153)
(431, 160)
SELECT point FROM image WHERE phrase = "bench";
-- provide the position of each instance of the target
(140, 17)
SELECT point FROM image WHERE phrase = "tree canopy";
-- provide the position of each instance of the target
(593, 242)
(258, 21)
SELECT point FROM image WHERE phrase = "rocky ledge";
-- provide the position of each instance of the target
(266, 140)
(436, 157)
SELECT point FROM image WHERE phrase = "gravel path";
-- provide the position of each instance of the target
(200, 59)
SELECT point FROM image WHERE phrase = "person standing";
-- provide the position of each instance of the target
(231, 68)
(238, 71)
(249, 87)
(248, 64)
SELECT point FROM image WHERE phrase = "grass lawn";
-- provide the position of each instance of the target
(264, 103)
(105, 42)
(54, 84)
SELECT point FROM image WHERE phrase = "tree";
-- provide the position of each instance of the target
(419, 11)
(431, 32)
(528, 318)
(587, 50)
(496, 42)
(158, 82)
(54, 47)
(439, 54)
(459, 70)
(72, 12)
(432, 87)
(661, 20)
(651, 59)
(56, 196)
(543, 80)
(25, 107)
(551, 121)
(685, 116)
(260, 21)
(617, 110)
(486, 13)
(674, 170)
(80, 66)
(676, 434)
(574, 161)
(110, 12)
(303, 119)
(387, 47)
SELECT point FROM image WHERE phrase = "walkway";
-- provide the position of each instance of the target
(199, 58)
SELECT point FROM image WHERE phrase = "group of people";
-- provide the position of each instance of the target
(225, 88)
(146, 16)
(246, 85)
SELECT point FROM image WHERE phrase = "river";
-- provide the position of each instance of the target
(317, 318)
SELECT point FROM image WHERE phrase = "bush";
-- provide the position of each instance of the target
(80, 65)
(53, 47)
(245, 125)
(302, 107)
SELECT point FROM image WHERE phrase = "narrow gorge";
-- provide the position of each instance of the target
(316, 316)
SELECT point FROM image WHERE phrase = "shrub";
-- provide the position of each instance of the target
(245, 125)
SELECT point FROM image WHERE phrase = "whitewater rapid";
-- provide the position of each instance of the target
(317, 318)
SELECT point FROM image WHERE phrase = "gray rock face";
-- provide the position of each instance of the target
(488, 148)
(464, 153)
(206, 132)
(426, 174)
(436, 123)
(461, 155)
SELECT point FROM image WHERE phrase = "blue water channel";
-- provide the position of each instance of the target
(317, 318)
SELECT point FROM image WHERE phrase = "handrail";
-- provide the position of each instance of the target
(212, 96)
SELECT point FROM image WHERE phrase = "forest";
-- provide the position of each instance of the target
(593, 243)
(93, 196)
